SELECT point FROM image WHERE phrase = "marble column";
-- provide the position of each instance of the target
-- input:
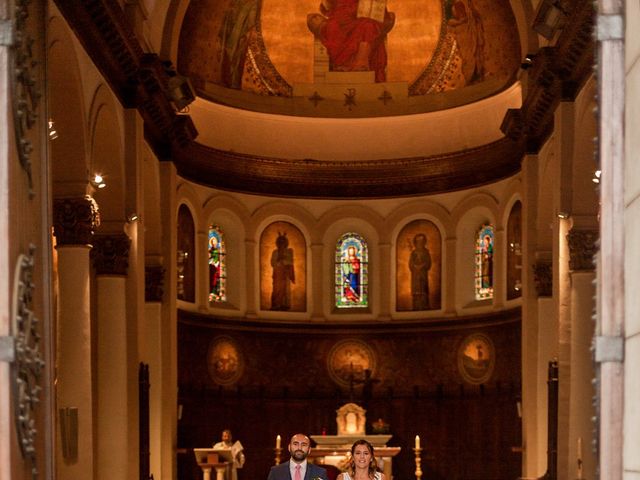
(75, 220)
(110, 257)
(151, 353)
(582, 248)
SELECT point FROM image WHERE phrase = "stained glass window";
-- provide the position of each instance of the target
(217, 266)
(351, 272)
(484, 263)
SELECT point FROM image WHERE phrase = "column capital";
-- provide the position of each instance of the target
(75, 220)
(582, 248)
(543, 278)
(153, 283)
(110, 254)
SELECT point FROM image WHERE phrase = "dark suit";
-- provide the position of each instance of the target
(282, 472)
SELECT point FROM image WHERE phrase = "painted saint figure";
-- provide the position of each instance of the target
(283, 274)
(351, 276)
(237, 27)
(419, 264)
(466, 24)
(214, 269)
(354, 43)
(487, 262)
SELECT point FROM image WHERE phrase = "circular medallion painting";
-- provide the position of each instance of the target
(476, 358)
(224, 361)
(350, 361)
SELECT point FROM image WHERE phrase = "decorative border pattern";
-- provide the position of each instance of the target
(225, 361)
(24, 88)
(28, 363)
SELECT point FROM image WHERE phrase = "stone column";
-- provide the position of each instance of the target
(387, 284)
(317, 279)
(75, 220)
(582, 248)
(151, 353)
(110, 256)
(448, 282)
(499, 268)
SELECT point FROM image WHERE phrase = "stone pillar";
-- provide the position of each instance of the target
(151, 353)
(316, 279)
(110, 256)
(253, 290)
(448, 278)
(582, 248)
(202, 274)
(499, 268)
(387, 284)
(75, 220)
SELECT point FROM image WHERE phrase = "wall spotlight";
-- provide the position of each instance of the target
(132, 217)
(596, 176)
(563, 215)
(53, 134)
(98, 181)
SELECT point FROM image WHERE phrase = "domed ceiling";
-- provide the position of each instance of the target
(305, 57)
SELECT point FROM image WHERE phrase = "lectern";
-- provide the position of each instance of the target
(209, 458)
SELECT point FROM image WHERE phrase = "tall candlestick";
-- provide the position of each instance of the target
(278, 441)
(417, 441)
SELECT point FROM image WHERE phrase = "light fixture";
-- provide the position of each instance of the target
(132, 217)
(98, 181)
(527, 62)
(53, 134)
(563, 215)
(596, 176)
(180, 92)
(549, 18)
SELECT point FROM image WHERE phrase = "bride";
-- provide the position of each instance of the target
(363, 465)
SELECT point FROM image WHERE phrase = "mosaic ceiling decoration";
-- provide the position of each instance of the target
(402, 55)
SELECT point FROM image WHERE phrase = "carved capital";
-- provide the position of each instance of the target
(153, 283)
(110, 254)
(543, 278)
(75, 220)
(582, 248)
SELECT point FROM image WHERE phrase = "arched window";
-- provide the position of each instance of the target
(514, 253)
(351, 272)
(186, 266)
(217, 266)
(484, 263)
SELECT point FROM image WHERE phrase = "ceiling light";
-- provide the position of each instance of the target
(596, 176)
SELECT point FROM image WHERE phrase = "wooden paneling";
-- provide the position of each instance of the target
(467, 430)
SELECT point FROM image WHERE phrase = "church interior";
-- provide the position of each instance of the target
(411, 221)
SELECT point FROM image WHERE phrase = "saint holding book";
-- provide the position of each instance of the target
(353, 32)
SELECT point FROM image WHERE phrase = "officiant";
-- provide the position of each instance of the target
(237, 451)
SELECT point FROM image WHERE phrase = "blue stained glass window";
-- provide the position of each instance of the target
(351, 272)
(217, 266)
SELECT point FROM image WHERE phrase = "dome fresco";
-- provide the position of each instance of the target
(306, 57)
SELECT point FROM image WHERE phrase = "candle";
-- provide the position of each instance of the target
(417, 441)
(278, 440)
(579, 448)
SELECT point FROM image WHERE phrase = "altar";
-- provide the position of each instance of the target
(336, 449)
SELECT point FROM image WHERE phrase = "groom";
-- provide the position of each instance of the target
(297, 468)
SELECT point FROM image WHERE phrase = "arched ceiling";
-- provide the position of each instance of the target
(463, 130)
(434, 54)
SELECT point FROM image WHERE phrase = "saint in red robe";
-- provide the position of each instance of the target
(344, 33)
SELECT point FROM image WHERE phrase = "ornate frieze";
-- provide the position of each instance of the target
(75, 220)
(28, 364)
(582, 248)
(153, 283)
(543, 278)
(110, 254)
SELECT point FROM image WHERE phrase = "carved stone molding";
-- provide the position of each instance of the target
(582, 248)
(543, 278)
(28, 364)
(110, 254)
(75, 220)
(153, 283)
